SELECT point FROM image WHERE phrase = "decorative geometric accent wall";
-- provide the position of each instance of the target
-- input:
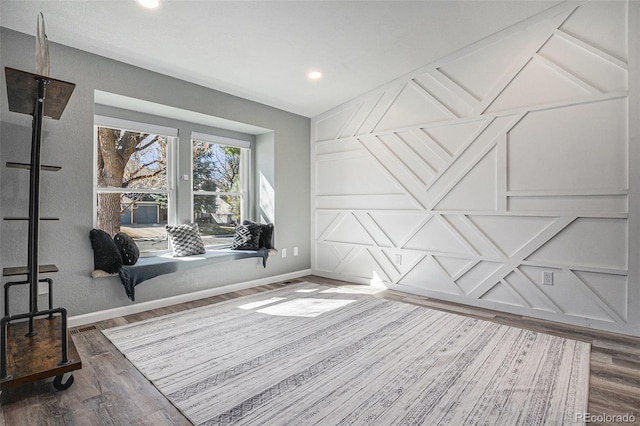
(469, 179)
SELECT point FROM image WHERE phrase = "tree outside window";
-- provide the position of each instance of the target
(132, 193)
(217, 190)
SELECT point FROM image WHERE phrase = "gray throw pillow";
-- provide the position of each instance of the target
(185, 239)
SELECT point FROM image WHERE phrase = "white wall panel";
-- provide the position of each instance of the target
(353, 173)
(329, 128)
(545, 204)
(428, 272)
(590, 66)
(510, 233)
(602, 25)
(477, 190)
(548, 150)
(470, 178)
(587, 242)
(537, 85)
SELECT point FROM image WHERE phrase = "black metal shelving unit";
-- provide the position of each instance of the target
(28, 340)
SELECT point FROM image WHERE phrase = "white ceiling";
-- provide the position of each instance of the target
(262, 50)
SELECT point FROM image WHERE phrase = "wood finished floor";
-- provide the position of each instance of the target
(110, 391)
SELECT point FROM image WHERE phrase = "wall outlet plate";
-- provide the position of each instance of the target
(284, 252)
(547, 278)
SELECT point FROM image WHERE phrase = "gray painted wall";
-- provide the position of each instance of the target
(68, 194)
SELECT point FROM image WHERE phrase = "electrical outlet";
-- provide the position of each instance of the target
(284, 252)
(399, 259)
(295, 251)
(547, 278)
(43, 288)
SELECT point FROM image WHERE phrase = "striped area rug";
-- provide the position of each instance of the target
(311, 355)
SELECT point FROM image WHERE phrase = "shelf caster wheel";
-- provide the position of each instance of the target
(63, 381)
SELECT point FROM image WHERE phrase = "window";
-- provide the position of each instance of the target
(159, 170)
(133, 181)
(220, 176)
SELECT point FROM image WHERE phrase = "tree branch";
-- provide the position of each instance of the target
(147, 145)
(135, 178)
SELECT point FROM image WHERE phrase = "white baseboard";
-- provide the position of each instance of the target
(78, 320)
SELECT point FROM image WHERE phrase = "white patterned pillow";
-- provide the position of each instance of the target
(185, 239)
(246, 237)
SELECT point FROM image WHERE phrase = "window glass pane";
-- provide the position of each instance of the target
(216, 167)
(142, 216)
(131, 159)
(217, 216)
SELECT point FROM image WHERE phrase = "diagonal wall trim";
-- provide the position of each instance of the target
(594, 297)
(422, 224)
(412, 188)
(459, 236)
(443, 79)
(434, 201)
(550, 303)
(336, 220)
(537, 41)
(483, 237)
(515, 292)
(400, 159)
(589, 88)
(432, 143)
(432, 99)
(405, 145)
(492, 164)
(516, 259)
(354, 114)
(592, 49)
(370, 224)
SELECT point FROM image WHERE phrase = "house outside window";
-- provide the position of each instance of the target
(134, 181)
(220, 176)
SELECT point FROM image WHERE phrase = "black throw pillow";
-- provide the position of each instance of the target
(127, 247)
(266, 233)
(106, 255)
(246, 237)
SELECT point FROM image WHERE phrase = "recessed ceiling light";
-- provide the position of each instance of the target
(314, 75)
(149, 4)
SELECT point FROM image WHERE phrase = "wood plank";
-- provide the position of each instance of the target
(22, 92)
(23, 270)
(35, 358)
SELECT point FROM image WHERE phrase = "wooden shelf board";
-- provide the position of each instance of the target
(23, 270)
(36, 358)
(22, 92)
(27, 166)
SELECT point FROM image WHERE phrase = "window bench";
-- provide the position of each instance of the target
(150, 267)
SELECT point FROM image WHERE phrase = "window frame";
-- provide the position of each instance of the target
(171, 135)
(246, 174)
